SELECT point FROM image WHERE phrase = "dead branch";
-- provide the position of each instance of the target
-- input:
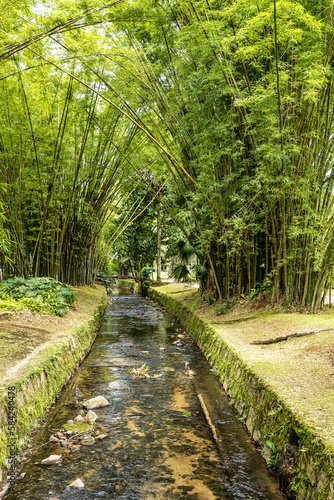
(287, 337)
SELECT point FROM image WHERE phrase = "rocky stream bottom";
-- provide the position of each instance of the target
(131, 423)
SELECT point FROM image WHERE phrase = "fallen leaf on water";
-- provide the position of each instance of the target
(140, 372)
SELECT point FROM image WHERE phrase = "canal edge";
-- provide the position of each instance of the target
(38, 388)
(304, 464)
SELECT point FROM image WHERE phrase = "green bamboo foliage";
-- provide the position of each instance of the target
(62, 162)
(246, 91)
(230, 103)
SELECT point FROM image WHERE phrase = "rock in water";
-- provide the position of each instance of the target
(52, 459)
(79, 418)
(76, 484)
(54, 439)
(97, 402)
(78, 428)
(100, 437)
(87, 441)
(91, 416)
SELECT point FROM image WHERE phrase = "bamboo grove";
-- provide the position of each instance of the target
(221, 111)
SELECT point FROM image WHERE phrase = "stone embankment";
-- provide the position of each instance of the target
(282, 391)
(39, 355)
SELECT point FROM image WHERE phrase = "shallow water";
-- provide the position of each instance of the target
(159, 445)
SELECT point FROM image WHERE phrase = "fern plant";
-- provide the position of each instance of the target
(44, 295)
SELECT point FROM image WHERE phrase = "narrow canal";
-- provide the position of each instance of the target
(152, 441)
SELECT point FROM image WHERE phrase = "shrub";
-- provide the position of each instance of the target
(223, 307)
(259, 287)
(42, 295)
(105, 279)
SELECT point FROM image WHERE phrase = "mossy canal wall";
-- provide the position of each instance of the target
(37, 389)
(304, 465)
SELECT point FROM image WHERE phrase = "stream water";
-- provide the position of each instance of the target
(158, 443)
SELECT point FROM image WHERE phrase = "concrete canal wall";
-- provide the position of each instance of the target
(39, 379)
(304, 463)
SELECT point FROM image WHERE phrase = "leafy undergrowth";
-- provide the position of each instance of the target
(40, 295)
(107, 282)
